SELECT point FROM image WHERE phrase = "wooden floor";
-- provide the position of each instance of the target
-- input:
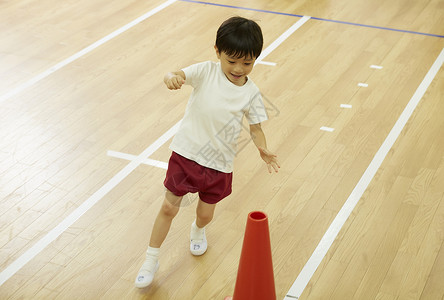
(56, 131)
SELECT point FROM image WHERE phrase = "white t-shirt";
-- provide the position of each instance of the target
(213, 118)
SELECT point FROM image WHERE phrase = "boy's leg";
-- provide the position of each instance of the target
(204, 213)
(169, 209)
(198, 240)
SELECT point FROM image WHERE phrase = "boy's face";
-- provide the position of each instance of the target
(235, 69)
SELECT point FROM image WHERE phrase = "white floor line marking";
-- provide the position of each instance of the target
(130, 157)
(81, 53)
(85, 206)
(282, 38)
(363, 84)
(346, 106)
(267, 63)
(376, 67)
(330, 235)
(329, 129)
(91, 201)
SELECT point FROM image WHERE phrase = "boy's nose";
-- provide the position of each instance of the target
(238, 69)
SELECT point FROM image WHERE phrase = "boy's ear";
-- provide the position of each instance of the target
(217, 51)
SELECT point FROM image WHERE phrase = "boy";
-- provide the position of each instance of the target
(205, 144)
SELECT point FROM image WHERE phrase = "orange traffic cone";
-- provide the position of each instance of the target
(255, 279)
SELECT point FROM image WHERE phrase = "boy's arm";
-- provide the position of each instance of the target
(258, 137)
(174, 80)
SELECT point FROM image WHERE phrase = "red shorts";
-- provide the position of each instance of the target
(186, 176)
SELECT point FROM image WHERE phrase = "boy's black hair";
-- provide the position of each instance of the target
(239, 37)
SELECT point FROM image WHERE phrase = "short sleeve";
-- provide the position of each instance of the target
(196, 73)
(256, 112)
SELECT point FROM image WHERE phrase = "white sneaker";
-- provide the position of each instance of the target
(198, 242)
(146, 273)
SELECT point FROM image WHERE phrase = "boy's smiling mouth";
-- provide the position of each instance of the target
(236, 76)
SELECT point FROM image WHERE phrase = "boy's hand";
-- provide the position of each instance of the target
(270, 158)
(173, 81)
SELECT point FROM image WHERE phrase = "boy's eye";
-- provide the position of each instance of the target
(231, 62)
(247, 64)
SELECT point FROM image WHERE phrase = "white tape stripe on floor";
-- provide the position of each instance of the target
(267, 63)
(325, 128)
(81, 53)
(330, 235)
(130, 157)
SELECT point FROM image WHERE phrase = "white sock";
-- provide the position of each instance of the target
(153, 252)
(196, 232)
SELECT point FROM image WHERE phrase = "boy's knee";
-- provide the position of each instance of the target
(204, 216)
(171, 205)
(169, 209)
